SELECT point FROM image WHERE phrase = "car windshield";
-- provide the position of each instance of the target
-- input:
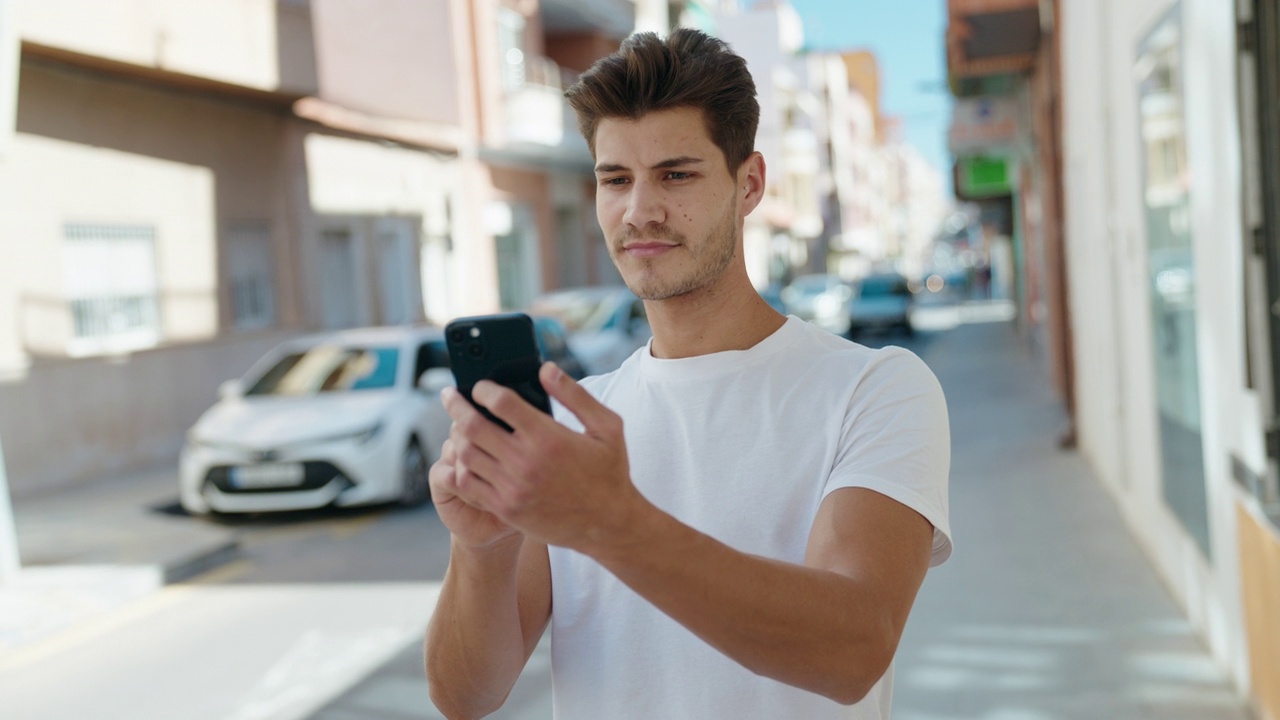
(329, 368)
(883, 287)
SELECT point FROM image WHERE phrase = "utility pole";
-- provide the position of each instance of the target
(9, 562)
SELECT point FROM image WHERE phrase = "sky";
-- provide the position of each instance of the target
(907, 36)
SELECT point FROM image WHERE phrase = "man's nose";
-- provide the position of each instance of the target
(644, 206)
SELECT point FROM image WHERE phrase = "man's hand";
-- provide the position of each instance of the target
(562, 487)
(472, 526)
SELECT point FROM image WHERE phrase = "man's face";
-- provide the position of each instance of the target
(667, 202)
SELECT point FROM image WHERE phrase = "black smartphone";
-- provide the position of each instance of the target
(501, 348)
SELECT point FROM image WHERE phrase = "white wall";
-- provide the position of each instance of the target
(1111, 316)
(260, 44)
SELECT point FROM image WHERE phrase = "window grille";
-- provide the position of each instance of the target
(251, 275)
(111, 287)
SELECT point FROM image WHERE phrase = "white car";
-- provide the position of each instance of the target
(606, 323)
(345, 418)
(820, 299)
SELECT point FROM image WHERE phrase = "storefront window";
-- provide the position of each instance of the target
(1172, 277)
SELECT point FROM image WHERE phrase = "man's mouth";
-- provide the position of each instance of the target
(647, 248)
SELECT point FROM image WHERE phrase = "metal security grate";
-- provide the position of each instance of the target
(111, 287)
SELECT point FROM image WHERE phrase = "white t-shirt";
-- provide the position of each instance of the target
(742, 446)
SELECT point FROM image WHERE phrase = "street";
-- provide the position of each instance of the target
(1048, 611)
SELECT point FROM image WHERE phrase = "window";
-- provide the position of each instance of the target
(338, 293)
(1172, 282)
(111, 287)
(250, 275)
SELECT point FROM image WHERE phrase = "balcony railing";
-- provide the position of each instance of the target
(534, 107)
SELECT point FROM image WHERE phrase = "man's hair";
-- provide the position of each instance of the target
(689, 69)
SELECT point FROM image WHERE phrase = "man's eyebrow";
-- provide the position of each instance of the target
(680, 161)
(677, 162)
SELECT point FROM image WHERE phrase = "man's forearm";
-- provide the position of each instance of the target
(815, 629)
(474, 645)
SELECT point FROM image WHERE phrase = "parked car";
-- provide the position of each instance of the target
(606, 324)
(881, 301)
(820, 299)
(344, 418)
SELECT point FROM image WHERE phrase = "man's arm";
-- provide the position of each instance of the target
(493, 607)
(830, 626)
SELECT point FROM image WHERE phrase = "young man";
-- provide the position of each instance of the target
(735, 523)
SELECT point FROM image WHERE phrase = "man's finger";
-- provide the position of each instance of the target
(507, 405)
(597, 420)
(471, 426)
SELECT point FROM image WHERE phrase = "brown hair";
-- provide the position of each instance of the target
(688, 69)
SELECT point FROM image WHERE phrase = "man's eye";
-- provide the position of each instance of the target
(614, 181)
(679, 175)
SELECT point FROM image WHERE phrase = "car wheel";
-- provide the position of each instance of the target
(415, 488)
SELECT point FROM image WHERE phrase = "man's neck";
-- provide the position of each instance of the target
(724, 316)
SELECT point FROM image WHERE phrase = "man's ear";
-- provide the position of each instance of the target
(751, 179)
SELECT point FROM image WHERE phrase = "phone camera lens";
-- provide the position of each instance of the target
(476, 350)
(457, 335)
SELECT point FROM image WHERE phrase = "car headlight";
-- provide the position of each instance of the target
(360, 437)
(196, 441)
(363, 437)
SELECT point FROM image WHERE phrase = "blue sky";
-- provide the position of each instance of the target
(907, 35)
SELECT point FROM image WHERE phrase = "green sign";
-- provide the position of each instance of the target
(982, 176)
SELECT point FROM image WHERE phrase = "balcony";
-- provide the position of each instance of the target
(534, 106)
(991, 37)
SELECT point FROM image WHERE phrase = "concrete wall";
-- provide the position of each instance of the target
(93, 150)
(74, 421)
(1111, 315)
(399, 61)
(261, 44)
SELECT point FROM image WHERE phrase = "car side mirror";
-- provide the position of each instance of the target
(231, 389)
(435, 380)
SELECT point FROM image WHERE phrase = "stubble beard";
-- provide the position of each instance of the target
(710, 261)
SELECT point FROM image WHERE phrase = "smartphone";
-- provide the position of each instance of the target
(501, 348)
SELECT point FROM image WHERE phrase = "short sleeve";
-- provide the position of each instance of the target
(896, 440)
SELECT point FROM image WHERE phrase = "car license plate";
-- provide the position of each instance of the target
(267, 475)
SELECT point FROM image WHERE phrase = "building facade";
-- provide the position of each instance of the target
(1135, 146)
(187, 184)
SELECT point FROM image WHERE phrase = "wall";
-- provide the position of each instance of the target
(97, 149)
(108, 415)
(261, 44)
(397, 62)
(93, 149)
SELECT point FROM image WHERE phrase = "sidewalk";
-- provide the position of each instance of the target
(88, 550)
(1048, 610)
